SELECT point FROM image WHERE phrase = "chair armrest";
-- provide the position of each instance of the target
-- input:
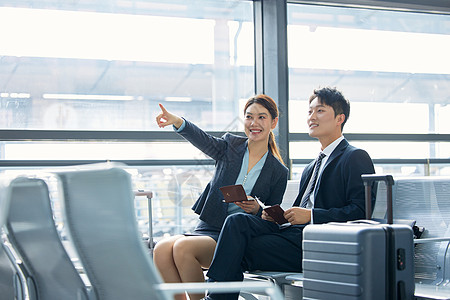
(267, 288)
(442, 259)
(431, 240)
(147, 194)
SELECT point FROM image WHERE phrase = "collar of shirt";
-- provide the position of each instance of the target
(327, 151)
(330, 148)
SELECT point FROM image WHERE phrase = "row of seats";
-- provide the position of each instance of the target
(99, 215)
(425, 200)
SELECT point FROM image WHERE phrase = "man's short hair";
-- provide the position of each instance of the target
(334, 98)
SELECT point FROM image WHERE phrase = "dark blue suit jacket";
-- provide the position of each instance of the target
(339, 195)
(228, 152)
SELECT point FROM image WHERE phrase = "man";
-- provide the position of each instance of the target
(331, 190)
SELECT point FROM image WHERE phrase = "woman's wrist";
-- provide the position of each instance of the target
(178, 122)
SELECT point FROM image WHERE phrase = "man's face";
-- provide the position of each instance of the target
(321, 120)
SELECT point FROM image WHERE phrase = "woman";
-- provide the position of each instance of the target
(253, 161)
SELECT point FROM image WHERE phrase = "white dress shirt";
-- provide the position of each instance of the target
(327, 151)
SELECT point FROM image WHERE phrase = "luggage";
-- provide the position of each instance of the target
(360, 259)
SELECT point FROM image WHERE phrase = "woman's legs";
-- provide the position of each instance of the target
(191, 254)
(181, 259)
(163, 260)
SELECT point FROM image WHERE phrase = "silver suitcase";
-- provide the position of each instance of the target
(359, 259)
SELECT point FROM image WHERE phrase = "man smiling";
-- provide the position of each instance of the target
(331, 190)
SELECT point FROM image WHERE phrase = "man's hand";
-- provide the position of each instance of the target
(298, 215)
(265, 216)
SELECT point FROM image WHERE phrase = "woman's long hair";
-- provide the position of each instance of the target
(271, 106)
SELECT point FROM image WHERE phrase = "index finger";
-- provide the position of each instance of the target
(162, 108)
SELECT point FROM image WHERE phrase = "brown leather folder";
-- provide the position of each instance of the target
(233, 193)
(276, 212)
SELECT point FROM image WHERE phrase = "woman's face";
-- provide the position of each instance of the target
(258, 122)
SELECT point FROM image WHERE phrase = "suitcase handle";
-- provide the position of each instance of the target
(368, 180)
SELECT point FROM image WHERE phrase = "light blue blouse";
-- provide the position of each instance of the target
(247, 180)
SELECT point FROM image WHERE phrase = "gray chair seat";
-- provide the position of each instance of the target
(47, 269)
(98, 209)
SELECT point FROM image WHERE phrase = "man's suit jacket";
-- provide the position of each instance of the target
(339, 194)
(228, 152)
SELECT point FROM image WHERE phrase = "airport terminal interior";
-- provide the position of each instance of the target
(80, 84)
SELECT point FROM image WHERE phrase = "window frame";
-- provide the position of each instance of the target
(271, 77)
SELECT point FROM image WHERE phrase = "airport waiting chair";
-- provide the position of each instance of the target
(425, 200)
(99, 213)
(45, 268)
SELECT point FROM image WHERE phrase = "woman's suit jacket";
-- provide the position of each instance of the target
(228, 152)
(339, 194)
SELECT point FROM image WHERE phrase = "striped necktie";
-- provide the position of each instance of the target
(312, 182)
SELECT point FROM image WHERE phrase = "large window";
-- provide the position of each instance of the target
(80, 81)
(89, 66)
(393, 66)
(102, 67)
